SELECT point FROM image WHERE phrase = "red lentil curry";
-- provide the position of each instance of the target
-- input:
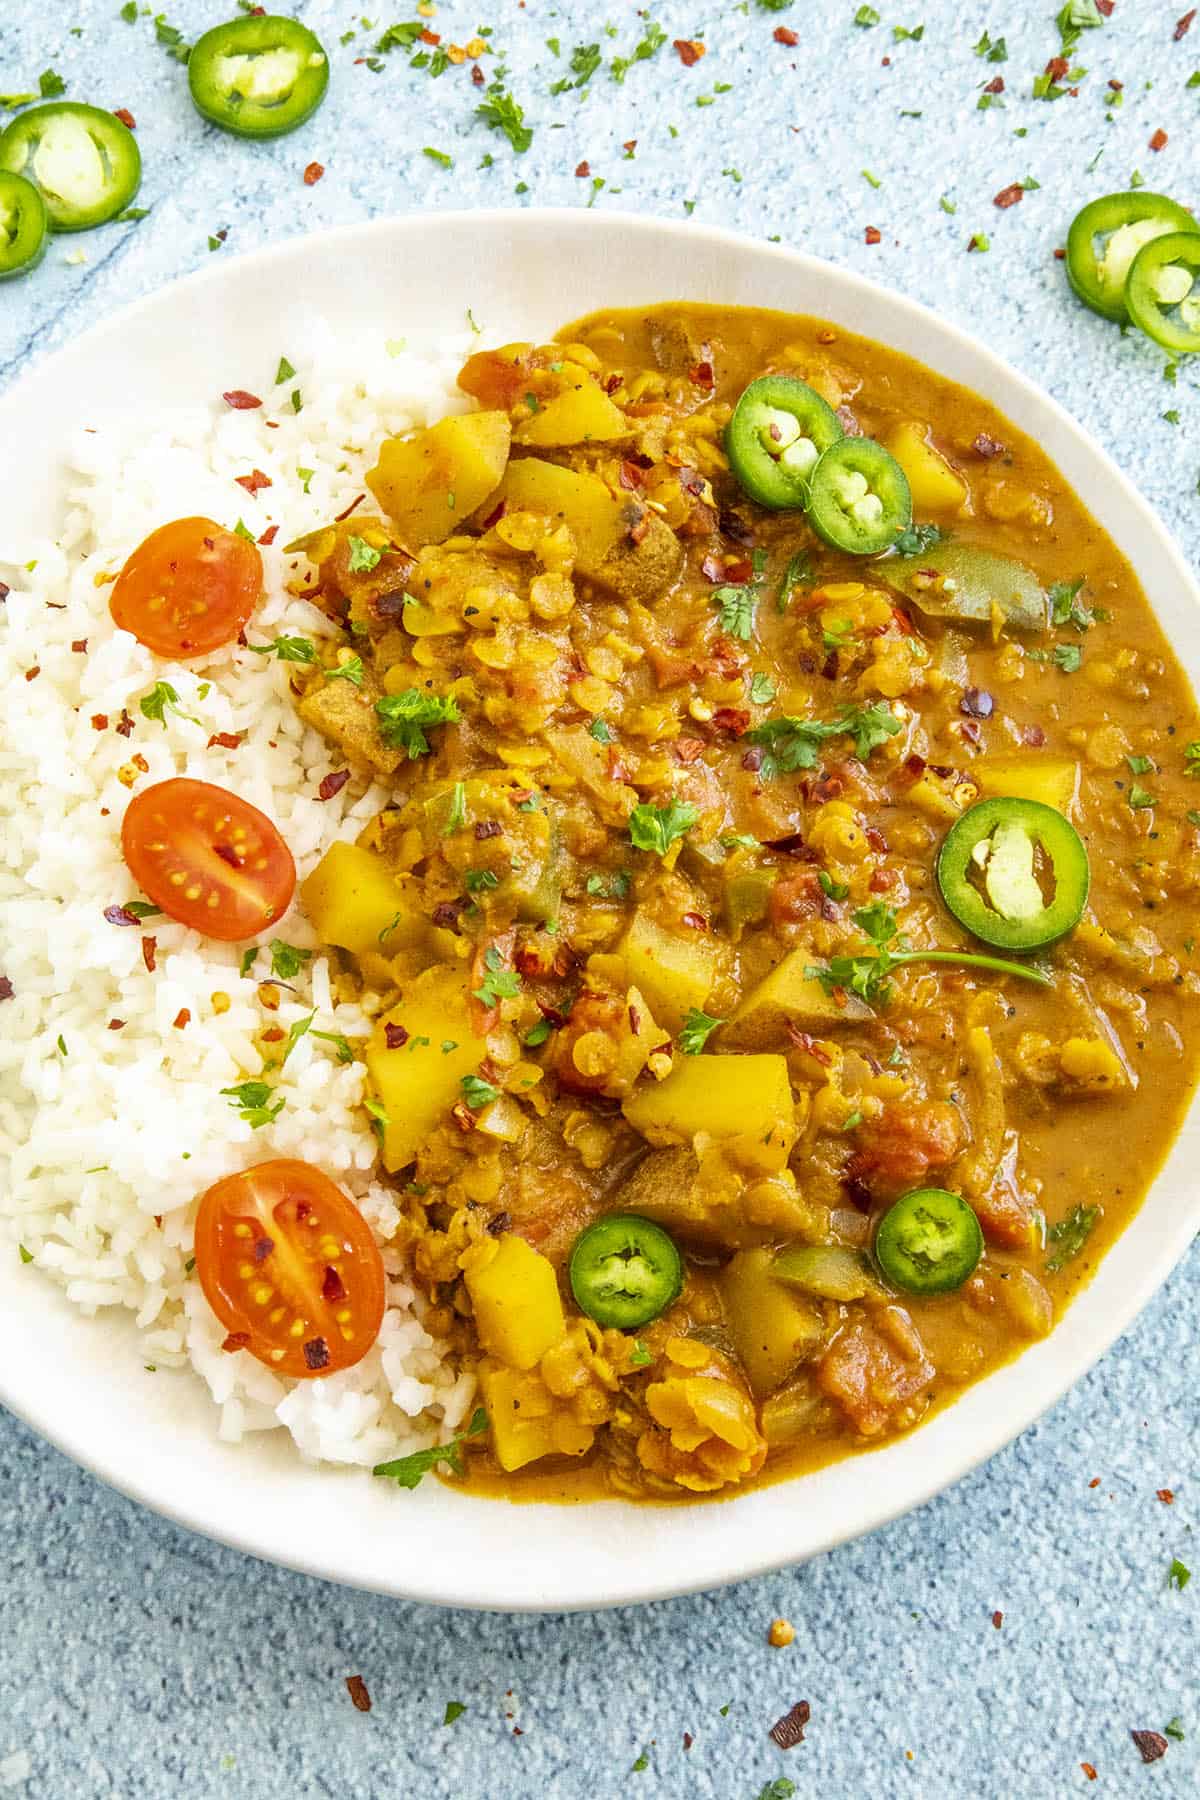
(779, 931)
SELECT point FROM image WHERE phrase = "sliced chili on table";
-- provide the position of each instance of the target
(859, 498)
(1162, 295)
(624, 1271)
(24, 226)
(1107, 234)
(85, 164)
(928, 1242)
(291, 1268)
(258, 77)
(778, 430)
(1014, 873)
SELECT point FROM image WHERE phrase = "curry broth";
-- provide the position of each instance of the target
(1039, 1104)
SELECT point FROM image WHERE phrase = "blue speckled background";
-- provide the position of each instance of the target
(135, 1660)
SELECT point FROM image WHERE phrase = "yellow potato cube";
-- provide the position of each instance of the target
(583, 414)
(417, 1081)
(726, 1096)
(1051, 779)
(935, 485)
(788, 996)
(430, 482)
(355, 902)
(519, 1436)
(771, 1325)
(514, 1291)
(675, 973)
(596, 519)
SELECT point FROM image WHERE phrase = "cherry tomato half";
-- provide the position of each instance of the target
(188, 589)
(290, 1267)
(208, 858)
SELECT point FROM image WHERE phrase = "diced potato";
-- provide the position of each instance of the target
(419, 1082)
(713, 1206)
(772, 1326)
(518, 1435)
(514, 1293)
(1092, 1065)
(355, 902)
(726, 1096)
(788, 996)
(674, 972)
(346, 716)
(935, 486)
(1027, 1301)
(584, 414)
(428, 483)
(1053, 780)
(600, 525)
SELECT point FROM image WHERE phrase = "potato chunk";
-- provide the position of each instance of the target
(428, 483)
(788, 996)
(674, 972)
(346, 716)
(714, 1203)
(772, 1326)
(725, 1096)
(514, 1293)
(935, 485)
(355, 902)
(416, 1080)
(584, 414)
(618, 542)
(1053, 780)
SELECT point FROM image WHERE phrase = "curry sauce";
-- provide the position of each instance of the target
(646, 924)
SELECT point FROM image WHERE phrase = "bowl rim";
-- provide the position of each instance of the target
(720, 1555)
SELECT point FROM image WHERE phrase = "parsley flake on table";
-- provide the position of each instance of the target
(1178, 1575)
(454, 1708)
(502, 113)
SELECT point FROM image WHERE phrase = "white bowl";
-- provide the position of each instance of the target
(80, 1383)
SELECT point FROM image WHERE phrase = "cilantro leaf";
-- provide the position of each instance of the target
(499, 983)
(737, 606)
(696, 1030)
(287, 649)
(287, 960)
(363, 556)
(502, 113)
(252, 1100)
(1178, 1575)
(799, 572)
(1070, 1235)
(162, 696)
(657, 827)
(918, 538)
(408, 1471)
(793, 743)
(403, 717)
(477, 1092)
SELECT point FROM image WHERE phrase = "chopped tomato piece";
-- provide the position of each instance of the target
(905, 1142)
(291, 1269)
(188, 589)
(208, 858)
(875, 1373)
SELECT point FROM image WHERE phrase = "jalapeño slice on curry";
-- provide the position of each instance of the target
(24, 225)
(82, 160)
(1107, 234)
(859, 498)
(1162, 293)
(258, 77)
(624, 1271)
(928, 1242)
(1015, 873)
(779, 429)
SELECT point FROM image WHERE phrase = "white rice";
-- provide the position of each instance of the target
(103, 1133)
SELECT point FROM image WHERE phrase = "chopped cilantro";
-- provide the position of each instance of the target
(456, 818)
(657, 827)
(866, 16)
(762, 689)
(345, 1053)
(477, 1092)
(363, 556)
(799, 573)
(639, 1356)
(478, 881)
(901, 33)
(438, 156)
(499, 983)
(454, 1708)
(1067, 657)
(1070, 1235)
(696, 1030)
(252, 1100)
(1175, 1728)
(1140, 798)
(600, 731)
(351, 670)
(737, 606)
(287, 649)
(537, 1034)
(408, 1471)
(502, 113)
(918, 538)
(833, 890)
(161, 699)
(1140, 765)
(794, 743)
(284, 372)
(27, 1257)
(287, 960)
(404, 716)
(1065, 608)
(1178, 1575)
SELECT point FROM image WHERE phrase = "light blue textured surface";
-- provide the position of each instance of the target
(137, 1660)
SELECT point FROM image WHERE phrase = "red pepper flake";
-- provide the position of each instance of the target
(124, 724)
(629, 146)
(313, 173)
(99, 721)
(1151, 1745)
(32, 674)
(987, 447)
(117, 915)
(116, 1024)
(345, 514)
(79, 646)
(333, 783)
(488, 828)
(997, 1619)
(690, 51)
(1184, 25)
(701, 375)
(782, 35)
(977, 704)
(995, 86)
(462, 1115)
(696, 921)
(687, 749)
(1159, 140)
(583, 169)
(149, 953)
(789, 1731)
(126, 117)
(1166, 1495)
(224, 740)
(1088, 1770)
(396, 1036)
(1105, 7)
(1057, 67)
(332, 1287)
(356, 1687)
(1115, 85)
(316, 1353)
(255, 480)
(430, 37)
(182, 1018)
(263, 1247)
(237, 1340)
(872, 235)
(478, 76)
(1033, 736)
(732, 719)
(688, 1740)
(635, 1020)
(630, 475)
(240, 400)
(882, 881)
(6, 988)
(1009, 196)
(517, 1732)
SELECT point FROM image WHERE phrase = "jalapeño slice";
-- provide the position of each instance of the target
(1107, 234)
(859, 498)
(624, 1271)
(1163, 291)
(779, 429)
(23, 225)
(1015, 873)
(82, 160)
(258, 77)
(928, 1242)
